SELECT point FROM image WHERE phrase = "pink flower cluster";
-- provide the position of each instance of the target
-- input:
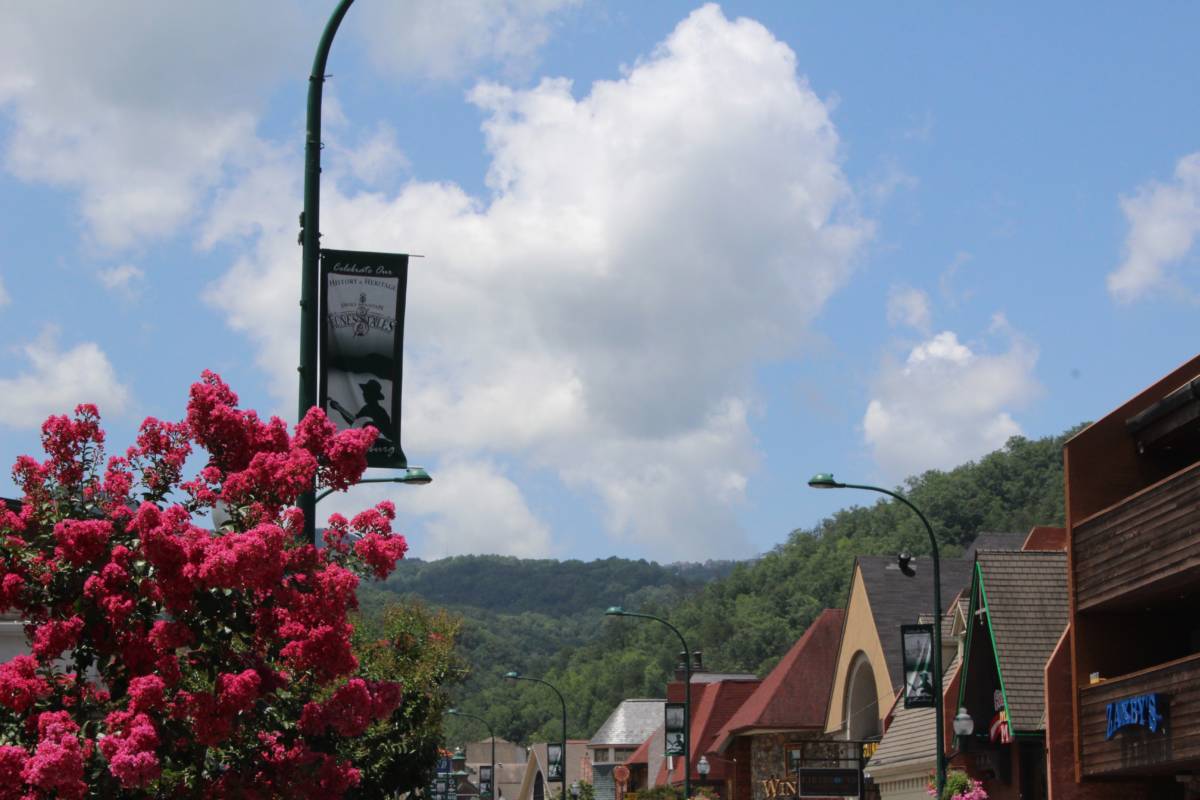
(189, 629)
(352, 708)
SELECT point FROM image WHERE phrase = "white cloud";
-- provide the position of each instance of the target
(446, 39)
(600, 315)
(947, 404)
(469, 508)
(123, 278)
(139, 108)
(1164, 219)
(908, 306)
(57, 380)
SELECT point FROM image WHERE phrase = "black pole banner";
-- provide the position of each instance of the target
(674, 722)
(917, 643)
(362, 346)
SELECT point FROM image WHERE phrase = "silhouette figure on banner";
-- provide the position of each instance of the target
(372, 412)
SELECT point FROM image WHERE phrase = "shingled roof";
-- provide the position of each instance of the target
(912, 736)
(630, 723)
(1027, 609)
(795, 694)
(897, 599)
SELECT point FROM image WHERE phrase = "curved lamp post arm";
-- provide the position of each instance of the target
(455, 712)
(825, 481)
(617, 611)
(519, 677)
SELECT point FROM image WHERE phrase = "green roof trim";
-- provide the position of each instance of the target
(978, 589)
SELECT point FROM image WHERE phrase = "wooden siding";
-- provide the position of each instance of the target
(1136, 750)
(1149, 542)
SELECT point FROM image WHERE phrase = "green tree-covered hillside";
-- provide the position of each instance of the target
(552, 625)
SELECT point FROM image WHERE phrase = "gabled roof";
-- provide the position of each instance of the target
(993, 540)
(712, 705)
(795, 693)
(897, 599)
(1027, 611)
(575, 756)
(630, 723)
(642, 754)
(912, 736)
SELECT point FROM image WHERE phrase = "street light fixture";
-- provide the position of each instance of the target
(456, 713)
(964, 725)
(617, 611)
(516, 676)
(413, 476)
(824, 480)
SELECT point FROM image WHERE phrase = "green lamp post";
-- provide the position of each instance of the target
(455, 712)
(617, 611)
(516, 676)
(824, 480)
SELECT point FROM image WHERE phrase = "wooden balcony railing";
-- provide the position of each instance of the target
(1135, 749)
(1147, 544)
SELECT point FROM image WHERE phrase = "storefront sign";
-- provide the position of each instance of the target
(1145, 710)
(813, 782)
(829, 782)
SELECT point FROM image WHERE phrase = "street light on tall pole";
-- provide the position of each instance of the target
(824, 480)
(310, 242)
(617, 611)
(516, 676)
(455, 712)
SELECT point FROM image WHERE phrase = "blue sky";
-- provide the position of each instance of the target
(678, 257)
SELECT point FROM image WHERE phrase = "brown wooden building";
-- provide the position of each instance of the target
(1133, 523)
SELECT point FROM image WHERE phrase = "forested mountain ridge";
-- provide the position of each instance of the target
(504, 584)
(744, 620)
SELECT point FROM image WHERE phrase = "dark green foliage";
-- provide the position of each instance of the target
(415, 645)
(545, 618)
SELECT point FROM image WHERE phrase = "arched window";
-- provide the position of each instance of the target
(539, 788)
(862, 701)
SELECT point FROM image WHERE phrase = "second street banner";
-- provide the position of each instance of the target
(362, 346)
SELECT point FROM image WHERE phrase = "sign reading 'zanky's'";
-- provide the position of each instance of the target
(1145, 710)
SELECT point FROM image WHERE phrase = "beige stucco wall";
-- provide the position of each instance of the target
(911, 787)
(858, 635)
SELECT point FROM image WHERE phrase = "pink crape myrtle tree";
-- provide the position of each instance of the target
(170, 660)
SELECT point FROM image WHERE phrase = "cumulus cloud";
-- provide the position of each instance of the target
(599, 315)
(908, 306)
(1164, 219)
(56, 380)
(446, 39)
(946, 403)
(471, 507)
(140, 108)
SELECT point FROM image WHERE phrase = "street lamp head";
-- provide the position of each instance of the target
(416, 476)
(963, 724)
(512, 675)
(452, 711)
(614, 611)
(824, 480)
